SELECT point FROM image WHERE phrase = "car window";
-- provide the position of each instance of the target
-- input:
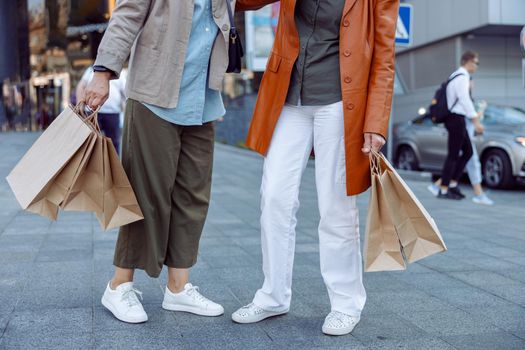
(504, 115)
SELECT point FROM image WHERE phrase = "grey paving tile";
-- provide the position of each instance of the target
(62, 319)
(484, 279)
(65, 255)
(446, 262)
(4, 318)
(50, 297)
(429, 282)
(448, 323)
(17, 256)
(486, 341)
(520, 260)
(406, 302)
(470, 297)
(20, 243)
(510, 318)
(512, 293)
(225, 335)
(46, 339)
(386, 327)
(423, 343)
(138, 338)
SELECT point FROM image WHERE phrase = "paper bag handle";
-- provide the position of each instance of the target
(375, 163)
(92, 118)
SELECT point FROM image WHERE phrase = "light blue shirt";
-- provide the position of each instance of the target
(198, 104)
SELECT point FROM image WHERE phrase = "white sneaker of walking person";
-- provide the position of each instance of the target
(190, 300)
(251, 313)
(338, 323)
(124, 304)
(434, 189)
(482, 199)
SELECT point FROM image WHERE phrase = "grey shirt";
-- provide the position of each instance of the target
(316, 77)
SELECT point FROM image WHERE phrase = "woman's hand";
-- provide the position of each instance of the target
(97, 91)
(373, 142)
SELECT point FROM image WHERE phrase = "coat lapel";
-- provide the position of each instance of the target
(348, 6)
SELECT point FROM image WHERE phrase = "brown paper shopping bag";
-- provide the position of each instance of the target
(382, 250)
(87, 191)
(53, 195)
(32, 179)
(120, 206)
(417, 231)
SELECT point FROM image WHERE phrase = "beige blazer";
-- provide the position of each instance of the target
(156, 34)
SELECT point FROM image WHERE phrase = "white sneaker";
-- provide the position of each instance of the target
(123, 303)
(482, 199)
(338, 323)
(251, 313)
(433, 189)
(190, 300)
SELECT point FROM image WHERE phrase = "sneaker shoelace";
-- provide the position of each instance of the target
(337, 320)
(193, 291)
(130, 297)
(250, 309)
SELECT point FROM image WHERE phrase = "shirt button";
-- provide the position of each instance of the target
(348, 80)
(346, 23)
(350, 106)
(216, 14)
(207, 29)
(347, 53)
(225, 27)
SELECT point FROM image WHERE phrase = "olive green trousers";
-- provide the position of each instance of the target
(169, 167)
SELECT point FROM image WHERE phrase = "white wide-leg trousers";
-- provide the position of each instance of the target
(298, 130)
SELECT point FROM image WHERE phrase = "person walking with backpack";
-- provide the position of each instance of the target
(473, 165)
(460, 105)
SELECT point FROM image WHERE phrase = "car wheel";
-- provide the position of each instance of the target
(497, 169)
(406, 159)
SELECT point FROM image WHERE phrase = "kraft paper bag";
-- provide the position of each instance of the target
(120, 206)
(382, 249)
(32, 178)
(53, 195)
(417, 230)
(87, 191)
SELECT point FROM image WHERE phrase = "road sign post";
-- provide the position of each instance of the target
(522, 42)
(403, 38)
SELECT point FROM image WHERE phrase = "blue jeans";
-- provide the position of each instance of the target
(473, 165)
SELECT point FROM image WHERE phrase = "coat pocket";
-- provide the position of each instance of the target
(144, 76)
(273, 63)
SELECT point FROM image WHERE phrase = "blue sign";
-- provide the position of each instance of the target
(404, 25)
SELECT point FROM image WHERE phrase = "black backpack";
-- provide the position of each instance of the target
(438, 110)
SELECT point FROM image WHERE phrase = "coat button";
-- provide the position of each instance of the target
(346, 23)
(348, 80)
(225, 27)
(350, 106)
(347, 53)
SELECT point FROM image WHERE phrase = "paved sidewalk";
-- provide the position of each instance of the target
(52, 275)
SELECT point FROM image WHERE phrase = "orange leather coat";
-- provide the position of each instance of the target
(367, 77)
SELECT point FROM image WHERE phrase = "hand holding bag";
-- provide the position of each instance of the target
(394, 208)
(235, 50)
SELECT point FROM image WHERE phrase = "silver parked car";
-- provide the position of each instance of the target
(422, 145)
